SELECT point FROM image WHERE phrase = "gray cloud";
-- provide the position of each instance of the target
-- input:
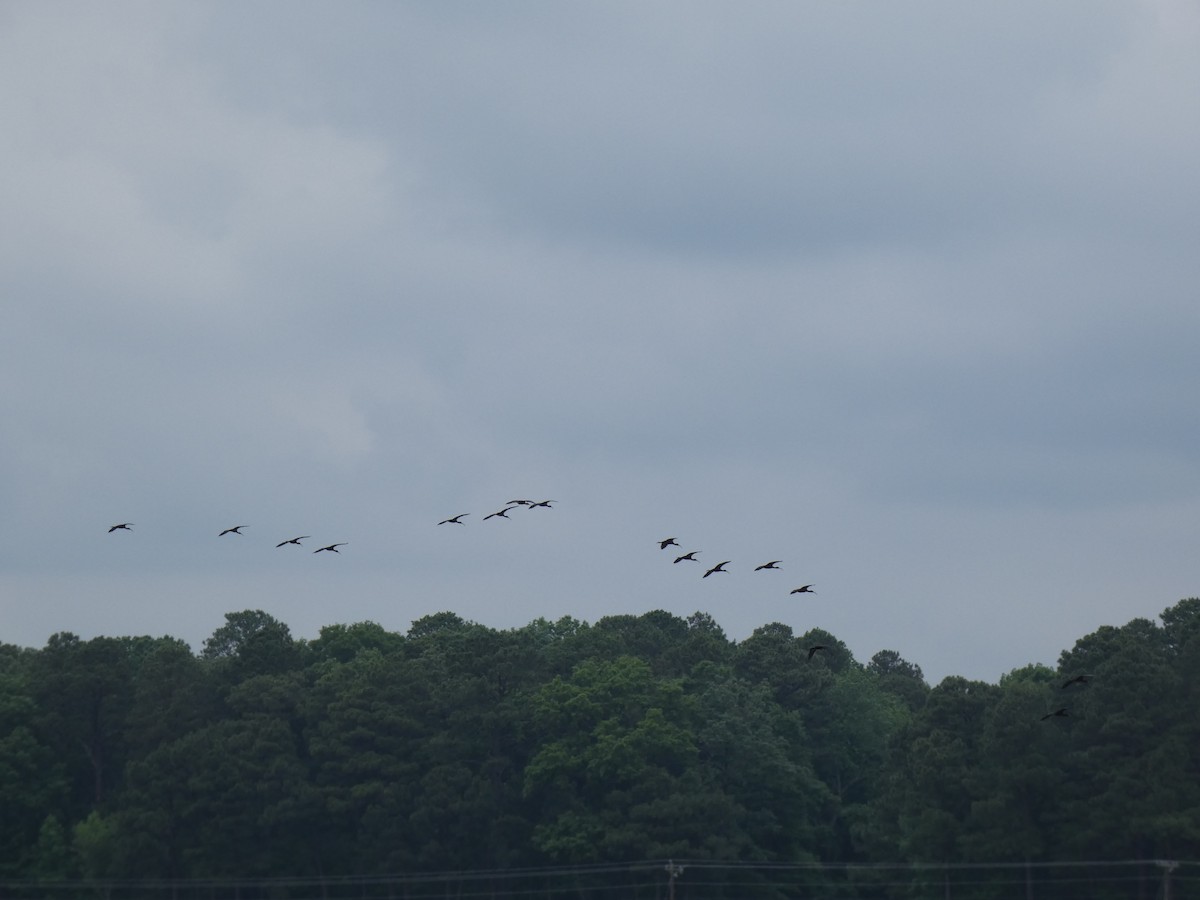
(903, 296)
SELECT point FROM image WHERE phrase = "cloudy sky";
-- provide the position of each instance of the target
(902, 294)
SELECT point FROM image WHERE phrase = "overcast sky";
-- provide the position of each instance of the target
(902, 294)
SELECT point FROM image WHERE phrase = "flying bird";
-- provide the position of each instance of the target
(1061, 713)
(804, 589)
(773, 564)
(454, 520)
(124, 526)
(520, 502)
(814, 648)
(717, 568)
(545, 503)
(332, 548)
(295, 540)
(503, 513)
(669, 542)
(1078, 679)
(691, 554)
(236, 529)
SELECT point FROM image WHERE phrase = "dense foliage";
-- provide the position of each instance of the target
(457, 746)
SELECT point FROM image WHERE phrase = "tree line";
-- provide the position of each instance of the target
(456, 746)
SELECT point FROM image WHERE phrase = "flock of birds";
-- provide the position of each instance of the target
(237, 529)
(502, 513)
(1063, 712)
(690, 556)
(333, 548)
(770, 565)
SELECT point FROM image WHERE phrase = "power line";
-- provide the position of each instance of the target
(597, 879)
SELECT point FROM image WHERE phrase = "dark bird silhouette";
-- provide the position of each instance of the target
(669, 542)
(123, 526)
(544, 503)
(1078, 679)
(236, 529)
(1061, 713)
(454, 520)
(520, 502)
(717, 568)
(814, 648)
(804, 589)
(691, 554)
(295, 540)
(503, 513)
(773, 564)
(332, 548)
